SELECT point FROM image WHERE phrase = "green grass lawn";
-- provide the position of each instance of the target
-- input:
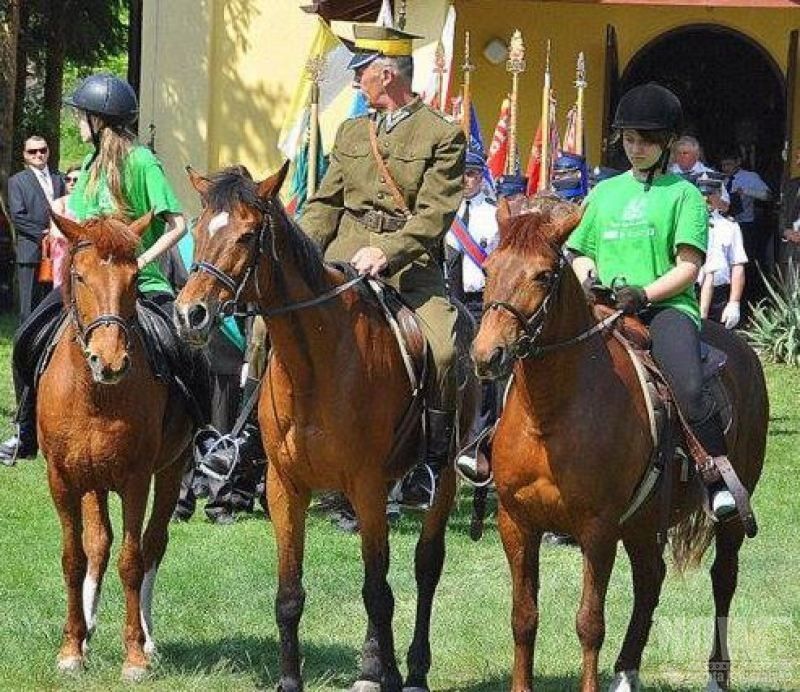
(214, 599)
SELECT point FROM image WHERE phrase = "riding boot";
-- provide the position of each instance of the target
(418, 488)
(24, 444)
(711, 436)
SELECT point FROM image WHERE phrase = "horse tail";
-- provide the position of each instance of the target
(690, 539)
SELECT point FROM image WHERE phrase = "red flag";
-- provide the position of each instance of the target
(571, 135)
(535, 163)
(498, 150)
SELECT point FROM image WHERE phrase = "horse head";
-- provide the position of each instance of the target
(236, 228)
(523, 277)
(99, 290)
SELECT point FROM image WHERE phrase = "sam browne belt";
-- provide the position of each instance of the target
(377, 220)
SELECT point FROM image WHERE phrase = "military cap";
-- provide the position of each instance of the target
(475, 155)
(510, 185)
(373, 41)
(709, 184)
(569, 176)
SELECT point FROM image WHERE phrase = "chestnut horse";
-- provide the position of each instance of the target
(106, 423)
(574, 440)
(335, 390)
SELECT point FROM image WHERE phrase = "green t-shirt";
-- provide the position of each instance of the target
(634, 235)
(145, 187)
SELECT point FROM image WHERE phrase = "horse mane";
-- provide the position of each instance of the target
(234, 186)
(110, 237)
(527, 234)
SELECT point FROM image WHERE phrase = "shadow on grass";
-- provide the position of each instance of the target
(257, 655)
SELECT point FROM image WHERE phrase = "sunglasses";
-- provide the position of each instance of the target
(71, 178)
(40, 150)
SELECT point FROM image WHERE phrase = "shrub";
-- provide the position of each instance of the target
(774, 330)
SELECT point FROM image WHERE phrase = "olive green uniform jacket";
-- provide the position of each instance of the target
(425, 155)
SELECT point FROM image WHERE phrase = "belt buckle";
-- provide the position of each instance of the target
(379, 216)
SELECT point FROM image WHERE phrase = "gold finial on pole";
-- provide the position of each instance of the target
(440, 69)
(401, 15)
(580, 84)
(516, 66)
(466, 102)
(544, 171)
(315, 68)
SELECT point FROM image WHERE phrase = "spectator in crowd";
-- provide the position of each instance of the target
(57, 243)
(686, 155)
(745, 187)
(722, 277)
(30, 194)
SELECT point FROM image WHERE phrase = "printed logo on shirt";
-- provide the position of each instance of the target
(633, 223)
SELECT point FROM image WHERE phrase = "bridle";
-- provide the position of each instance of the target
(84, 333)
(525, 345)
(266, 228)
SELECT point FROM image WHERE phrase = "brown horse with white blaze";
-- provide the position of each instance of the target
(105, 423)
(335, 390)
(574, 441)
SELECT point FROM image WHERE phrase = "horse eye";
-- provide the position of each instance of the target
(246, 237)
(545, 277)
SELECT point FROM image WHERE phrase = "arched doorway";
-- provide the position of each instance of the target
(733, 92)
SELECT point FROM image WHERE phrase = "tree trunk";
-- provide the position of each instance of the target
(21, 82)
(9, 34)
(54, 77)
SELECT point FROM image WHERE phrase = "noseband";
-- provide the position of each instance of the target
(229, 307)
(103, 320)
(525, 345)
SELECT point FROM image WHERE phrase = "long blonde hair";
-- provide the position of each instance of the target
(115, 145)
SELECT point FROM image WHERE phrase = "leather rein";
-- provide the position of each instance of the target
(525, 345)
(84, 332)
(230, 307)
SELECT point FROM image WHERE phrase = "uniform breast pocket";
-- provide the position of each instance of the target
(408, 166)
(358, 167)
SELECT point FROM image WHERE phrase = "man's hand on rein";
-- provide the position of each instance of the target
(370, 260)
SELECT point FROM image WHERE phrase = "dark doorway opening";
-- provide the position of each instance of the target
(732, 91)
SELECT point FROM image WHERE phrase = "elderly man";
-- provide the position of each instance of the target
(686, 152)
(390, 194)
(30, 194)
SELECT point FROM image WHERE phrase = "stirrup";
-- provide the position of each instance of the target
(223, 443)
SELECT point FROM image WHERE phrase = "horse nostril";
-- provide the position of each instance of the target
(197, 316)
(94, 360)
(126, 364)
(495, 357)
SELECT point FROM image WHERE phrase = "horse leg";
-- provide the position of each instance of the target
(428, 561)
(131, 572)
(369, 503)
(522, 551)
(648, 571)
(599, 552)
(97, 537)
(73, 565)
(288, 513)
(724, 574)
(167, 484)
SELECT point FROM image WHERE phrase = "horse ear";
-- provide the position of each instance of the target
(503, 212)
(272, 185)
(72, 230)
(141, 224)
(559, 230)
(199, 182)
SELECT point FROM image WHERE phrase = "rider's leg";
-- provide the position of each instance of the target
(30, 340)
(438, 317)
(676, 348)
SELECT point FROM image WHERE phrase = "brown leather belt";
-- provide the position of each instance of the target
(377, 220)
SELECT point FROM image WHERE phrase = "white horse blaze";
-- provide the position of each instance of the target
(217, 222)
(146, 608)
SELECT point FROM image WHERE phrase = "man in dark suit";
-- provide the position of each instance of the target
(30, 193)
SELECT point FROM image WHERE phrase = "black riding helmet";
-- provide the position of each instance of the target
(650, 108)
(110, 98)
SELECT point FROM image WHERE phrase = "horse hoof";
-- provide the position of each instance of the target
(366, 686)
(134, 673)
(70, 664)
(626, 681)
(416, 689)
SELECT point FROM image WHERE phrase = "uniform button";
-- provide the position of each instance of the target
(386, 145)
(383, 180)
(380, 195)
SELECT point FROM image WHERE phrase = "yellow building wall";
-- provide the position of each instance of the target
(575, 27)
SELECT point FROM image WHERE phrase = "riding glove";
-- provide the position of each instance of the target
(631, 299)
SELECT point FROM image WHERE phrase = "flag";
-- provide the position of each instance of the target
(431, 93)
(534, 171)
(335, 96)
(298, 193)
(498, 150)
(385, 16)
(570, 145)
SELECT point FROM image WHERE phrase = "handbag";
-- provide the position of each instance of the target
(44, 274)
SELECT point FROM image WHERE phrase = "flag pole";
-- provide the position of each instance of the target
(544, 175)
(314, 68)
(516, 66)
(580, 84)
(466, 101)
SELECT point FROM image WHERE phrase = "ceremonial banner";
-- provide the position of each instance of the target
(534, 171)
(298, 193)
(335, 93)
(437, 90)
(570, 145)
(498, 150)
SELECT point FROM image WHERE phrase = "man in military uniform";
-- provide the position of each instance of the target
(390, 194)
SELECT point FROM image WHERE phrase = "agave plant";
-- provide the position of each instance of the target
(774, 329)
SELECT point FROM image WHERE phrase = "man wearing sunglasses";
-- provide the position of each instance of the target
(30, 193)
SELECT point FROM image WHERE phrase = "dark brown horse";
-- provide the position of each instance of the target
(574, 440)
(334, 392)
(105, 425)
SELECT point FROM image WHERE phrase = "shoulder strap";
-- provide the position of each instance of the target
(397, 196)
